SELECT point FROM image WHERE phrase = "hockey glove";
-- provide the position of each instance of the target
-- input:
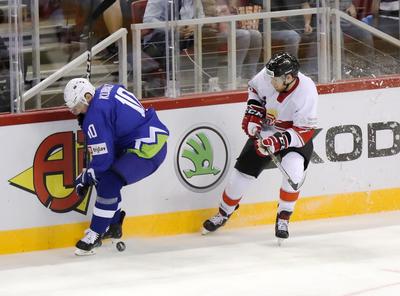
(80, 118)
(252, 120)
(83, 182)
(274, 143)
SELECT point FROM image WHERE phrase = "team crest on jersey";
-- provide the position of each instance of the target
(271, 116)
(202, 158)
(57, 162)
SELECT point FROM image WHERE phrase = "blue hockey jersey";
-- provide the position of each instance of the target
(117, 123)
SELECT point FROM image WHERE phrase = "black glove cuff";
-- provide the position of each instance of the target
(281, 138)
(80, 119)
(254, 102)
(81, 191)
(255, 110)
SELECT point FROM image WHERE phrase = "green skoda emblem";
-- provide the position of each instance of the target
(202, 159)
(201, 155)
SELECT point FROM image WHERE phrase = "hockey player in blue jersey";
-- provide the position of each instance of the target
(127, 143)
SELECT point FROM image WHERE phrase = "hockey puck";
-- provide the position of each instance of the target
(121, 246)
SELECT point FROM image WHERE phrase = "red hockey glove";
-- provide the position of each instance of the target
(252, 120)
(275, 143)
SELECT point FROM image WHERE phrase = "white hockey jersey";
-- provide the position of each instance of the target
(294, 111)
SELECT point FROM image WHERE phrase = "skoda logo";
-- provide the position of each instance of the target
(202, 158)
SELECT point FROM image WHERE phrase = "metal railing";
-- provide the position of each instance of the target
(329, 65)
(119, 36)
(231, 20)
(324, 58)
(337, 52)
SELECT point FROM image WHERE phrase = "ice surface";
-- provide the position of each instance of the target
(347, 256)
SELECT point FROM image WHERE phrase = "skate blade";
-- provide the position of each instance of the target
(280, 241)
(204, 231)
(79, 252)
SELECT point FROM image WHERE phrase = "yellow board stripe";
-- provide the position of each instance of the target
(59, 236)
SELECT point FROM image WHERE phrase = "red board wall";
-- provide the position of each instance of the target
(202, 100)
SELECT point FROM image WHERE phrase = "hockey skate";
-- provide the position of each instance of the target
(86, 246)
(114, 232)
(217, 221)
(282, 226)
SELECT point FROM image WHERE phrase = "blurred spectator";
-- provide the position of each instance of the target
(348, 7)
(360, 46)
(248, 37)
(284, 30)
(107, 16)
(114, 13)
(118, 15)
(155, 45)
(158, 11)
(386, 16)
(52, 10)
(115, 17)
(4, 77)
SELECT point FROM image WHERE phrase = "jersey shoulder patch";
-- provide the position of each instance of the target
(98, 149)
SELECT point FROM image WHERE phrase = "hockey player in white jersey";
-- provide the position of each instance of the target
(281, 116)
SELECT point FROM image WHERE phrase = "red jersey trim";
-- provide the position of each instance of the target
(229, 201)
(283, 124)
(253, 90)
(304, 135)
(208, 99)
(288, 196)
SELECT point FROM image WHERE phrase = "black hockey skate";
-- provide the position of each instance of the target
(86, 245)
(217, 221)
(114, 232)
(282, 226)
(115, 229)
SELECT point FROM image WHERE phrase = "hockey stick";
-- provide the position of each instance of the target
(278, 164)
(89, 43)
(92, 16)
(88, 74)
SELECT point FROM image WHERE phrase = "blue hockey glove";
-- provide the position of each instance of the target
(83, 182)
